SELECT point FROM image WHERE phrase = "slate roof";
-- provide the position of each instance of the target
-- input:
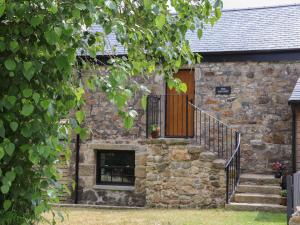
(295, 97)
(238, 30)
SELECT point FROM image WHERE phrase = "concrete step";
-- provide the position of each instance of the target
(262, 189)
(259, 179)
(255, 207)
(257, 198)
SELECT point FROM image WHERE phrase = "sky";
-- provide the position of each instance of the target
(229, 4)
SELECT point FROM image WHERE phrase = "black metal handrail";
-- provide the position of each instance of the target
(218, 137)
(233, 171)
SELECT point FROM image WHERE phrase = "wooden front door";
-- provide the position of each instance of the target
(179, 114)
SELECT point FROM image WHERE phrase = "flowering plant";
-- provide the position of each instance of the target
(278, 166)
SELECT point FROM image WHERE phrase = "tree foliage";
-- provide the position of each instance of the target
(39, 41)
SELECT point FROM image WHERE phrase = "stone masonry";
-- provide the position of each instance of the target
(168, 173)
(90, 193)
(257, 106)
(183, 176)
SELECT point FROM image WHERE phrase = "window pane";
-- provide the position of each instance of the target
(117, 179)
(105, 174)
(128, 180)
(115, 167)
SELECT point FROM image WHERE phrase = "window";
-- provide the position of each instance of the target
(115, 167)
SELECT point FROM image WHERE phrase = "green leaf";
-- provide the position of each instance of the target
(13, 126)
(27, 109)
(76, 13)
(2, 45)
(11, 100)
(80, 6)
(160, 21)
(26, 131)
(14, 46)
(128, 122)
(218, 12)
(19, 170)
(4, 189)
(39, 209)
(36, 20)
(45, 104)
(11, 176)
(10, 64)
(147, 4)
(92, 52)
(9, 148)
(80, 116)
(52, 35)
(2, 7)
(144, 102)
(183, 87)
(2, 153)
(28, 70)
(2, 129)
(199, 33)
(6, 204)
(36, 97)
(53, 9)
(27, 65)
(34, 158)
(27, 92)
(62, 62)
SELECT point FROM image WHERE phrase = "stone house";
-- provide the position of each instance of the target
(218, 141)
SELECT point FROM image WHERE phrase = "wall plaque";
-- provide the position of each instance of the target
(223, 90)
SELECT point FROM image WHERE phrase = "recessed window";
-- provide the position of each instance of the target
(115, 167)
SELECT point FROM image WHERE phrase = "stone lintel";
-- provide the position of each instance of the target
(168, 141)
(105, 146)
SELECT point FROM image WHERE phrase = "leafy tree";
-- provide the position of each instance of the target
(39, 41)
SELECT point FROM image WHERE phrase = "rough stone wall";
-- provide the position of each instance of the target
(183, 176)
(295, 219)
(108, 132)
(66, 178)
(257, 106)
(104, 122)
(91, 193)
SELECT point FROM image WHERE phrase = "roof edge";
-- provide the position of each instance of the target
(260, 7)
(256, 51)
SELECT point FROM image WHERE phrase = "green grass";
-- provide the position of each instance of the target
(169, 217)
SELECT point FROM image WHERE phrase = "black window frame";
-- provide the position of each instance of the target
(129, 166)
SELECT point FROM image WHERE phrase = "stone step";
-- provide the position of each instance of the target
(255, 207)
(257, 198)
(259, 179)
(262, 189)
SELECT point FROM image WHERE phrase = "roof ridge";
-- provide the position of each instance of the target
(261, 7)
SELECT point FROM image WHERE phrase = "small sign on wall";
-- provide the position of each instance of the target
(223, 90)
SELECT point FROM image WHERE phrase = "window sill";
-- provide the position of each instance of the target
(114, 187)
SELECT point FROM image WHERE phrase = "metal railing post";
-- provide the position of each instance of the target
(227, 184)
(147, 115)
(187, 116)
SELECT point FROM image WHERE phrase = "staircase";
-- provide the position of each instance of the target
(254, 192)
(257, 192)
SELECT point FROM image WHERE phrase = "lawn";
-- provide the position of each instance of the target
(168, 217)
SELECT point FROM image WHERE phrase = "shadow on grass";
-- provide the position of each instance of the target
(266, 217)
